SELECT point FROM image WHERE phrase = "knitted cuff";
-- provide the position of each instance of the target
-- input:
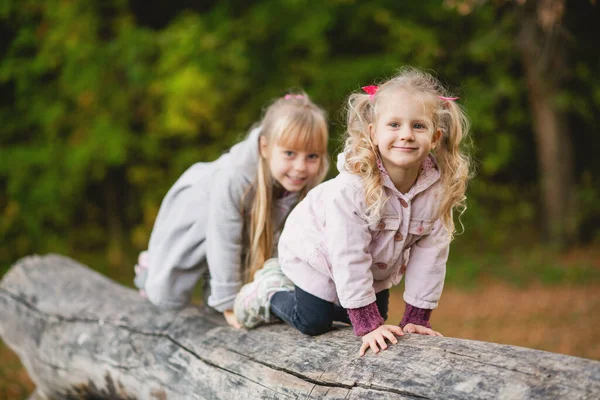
(365, 319)
(416, 315)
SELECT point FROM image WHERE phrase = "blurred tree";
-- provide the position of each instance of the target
(543, 44)
(553, 63)
(105, 103)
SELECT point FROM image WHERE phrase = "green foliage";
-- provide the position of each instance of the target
(519, 266)
(105, 105)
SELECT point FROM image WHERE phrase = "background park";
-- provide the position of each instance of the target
(105, 103)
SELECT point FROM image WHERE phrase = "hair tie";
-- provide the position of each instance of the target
(370, 90)
(449, 98)
(293, 96)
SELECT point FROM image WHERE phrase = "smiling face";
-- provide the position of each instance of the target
(403, 132)
(292, 169)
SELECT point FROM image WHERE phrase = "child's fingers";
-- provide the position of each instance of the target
(423, 330)
(396, 329)
(431, 332)
(231, 319)
(410, 328)
(434, 333)
(376, 339)
(373, 345)
(390, 336)
(426, 331)
(234, 324)
(363, 349)
(381, 341)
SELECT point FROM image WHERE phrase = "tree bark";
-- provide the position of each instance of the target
(542, 46)
(80, 335)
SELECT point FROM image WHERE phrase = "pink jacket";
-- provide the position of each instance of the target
(329, 250)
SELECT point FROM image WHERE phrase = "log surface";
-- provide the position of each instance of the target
(79, 333)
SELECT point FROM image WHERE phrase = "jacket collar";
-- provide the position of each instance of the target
(428, 175)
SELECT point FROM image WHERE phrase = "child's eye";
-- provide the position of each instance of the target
(419, 125)
(288, 153)
(394, 124)
(313, 156)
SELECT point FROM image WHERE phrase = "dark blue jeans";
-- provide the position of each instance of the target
(312, 315)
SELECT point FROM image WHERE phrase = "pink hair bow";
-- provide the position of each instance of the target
(293, 96)
(449, 98)
(370, 90)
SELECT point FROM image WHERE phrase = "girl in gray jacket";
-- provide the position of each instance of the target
(223, 218)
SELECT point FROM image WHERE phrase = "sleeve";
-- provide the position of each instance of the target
(347, 239)
(365, 319)
(416, 315)
(224, 238)
(175, 248)
(426, 268)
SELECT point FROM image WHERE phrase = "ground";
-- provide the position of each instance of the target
(560, 319)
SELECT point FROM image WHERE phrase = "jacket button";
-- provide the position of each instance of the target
(381, 265)
(404, 203)
(381, 225)
(420, 230)
(403, 269)
(398, 237)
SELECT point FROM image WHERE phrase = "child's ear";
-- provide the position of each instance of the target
(435, 140)
(372, 134)
(263, 147)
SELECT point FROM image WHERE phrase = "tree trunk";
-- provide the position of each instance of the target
(81, 335)
(542, 49)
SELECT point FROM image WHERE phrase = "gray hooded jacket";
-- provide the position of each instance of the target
(201, 224)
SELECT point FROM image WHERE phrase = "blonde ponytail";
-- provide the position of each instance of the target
(294, 122)
(361, 154)
(453, 161)
(261, 228)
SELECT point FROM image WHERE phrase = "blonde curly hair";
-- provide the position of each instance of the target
(451, 153)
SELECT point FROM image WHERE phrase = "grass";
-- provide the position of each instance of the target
(523, 267)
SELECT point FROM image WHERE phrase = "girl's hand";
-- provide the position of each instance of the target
(376, 339)
(231, 319)
(421, 330)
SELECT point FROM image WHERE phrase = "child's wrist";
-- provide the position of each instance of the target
(365, 319)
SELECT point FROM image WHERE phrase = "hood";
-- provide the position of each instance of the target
(341, 162)
(244, 154)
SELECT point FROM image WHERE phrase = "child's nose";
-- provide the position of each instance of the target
(407, 133)
(300, 164)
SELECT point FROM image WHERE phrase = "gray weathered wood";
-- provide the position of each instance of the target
(79, 333)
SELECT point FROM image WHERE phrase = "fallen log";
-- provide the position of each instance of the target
(81, 335)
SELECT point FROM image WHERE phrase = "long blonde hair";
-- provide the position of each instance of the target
(296, 123)
(451, 153)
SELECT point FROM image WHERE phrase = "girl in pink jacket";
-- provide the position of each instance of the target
(388, 214)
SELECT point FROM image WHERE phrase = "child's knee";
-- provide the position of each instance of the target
(314, 330)
(315, 325)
